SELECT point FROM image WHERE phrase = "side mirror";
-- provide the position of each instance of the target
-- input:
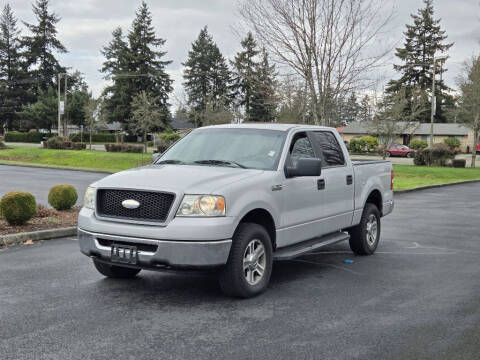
(155, 157)
(304, 167)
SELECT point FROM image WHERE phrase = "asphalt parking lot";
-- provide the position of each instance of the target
(418, 297)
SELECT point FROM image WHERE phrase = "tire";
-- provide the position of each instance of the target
(113, 271)
(236, 280)
(360, 243)
(410, 154)
(388, 154)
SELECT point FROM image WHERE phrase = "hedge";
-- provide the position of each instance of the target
(164, 141)
(29, 137)
(417, 144)
(105, 138)
(363, 144)
(439, 155)
(124, 148)
(58, 142)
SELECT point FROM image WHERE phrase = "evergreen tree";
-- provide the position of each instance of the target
(351, 108)
(245, 66)
(146, 64)
(118, 96)
(42, 114)
(12, 74)
(365, 109)
(41, 45)
(207, 77)
(264, 98)
(423, 39)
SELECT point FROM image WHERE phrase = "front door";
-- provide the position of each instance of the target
(302, 196)
(339, 188)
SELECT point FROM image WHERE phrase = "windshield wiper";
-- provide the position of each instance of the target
(178, 162)
(220, 163)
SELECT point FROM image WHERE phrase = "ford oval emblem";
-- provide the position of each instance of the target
(130, 204)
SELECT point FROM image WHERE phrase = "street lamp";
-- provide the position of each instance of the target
(434, 99)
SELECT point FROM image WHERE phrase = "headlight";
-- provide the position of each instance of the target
(202, 205)
(89, 200)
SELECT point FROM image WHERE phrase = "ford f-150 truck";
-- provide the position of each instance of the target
(235, 198)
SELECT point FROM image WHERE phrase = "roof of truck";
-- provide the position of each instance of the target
(267, 126)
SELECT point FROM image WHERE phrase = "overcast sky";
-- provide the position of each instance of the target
(86, 26)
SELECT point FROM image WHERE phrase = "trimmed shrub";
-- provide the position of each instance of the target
(79, 146)
(363, 144)
(28, 137)
(124, 148)
(371, 143)
(62, 197)
(418, 144)
(55, 142)
(459, 163)
(102, 137)
(17, 207)
(356, 145)
(439, 156)
(452, 142)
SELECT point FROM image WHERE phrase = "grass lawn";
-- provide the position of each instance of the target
(406, 176)
(411, 176)
(85, 159)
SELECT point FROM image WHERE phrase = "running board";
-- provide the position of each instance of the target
(292, 251)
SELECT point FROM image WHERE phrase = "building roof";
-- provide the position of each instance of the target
(180, 124)
(362, 128)
(442, 129)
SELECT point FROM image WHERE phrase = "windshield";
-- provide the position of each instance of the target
(248, 148)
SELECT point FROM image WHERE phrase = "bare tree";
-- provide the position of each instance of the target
(91, 113)
(469, 109)
(327, 42)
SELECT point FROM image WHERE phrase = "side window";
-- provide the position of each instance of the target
(331, 150)
(300, 148)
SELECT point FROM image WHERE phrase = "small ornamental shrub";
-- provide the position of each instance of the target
(17, 207)
(164, 141)
(371, 143)
(440, 155)
(124, 148)
(452, 142)
(62, 197)
(356, 145)
(79, 146)
(364, 144)
(418, 144)
(55, 142)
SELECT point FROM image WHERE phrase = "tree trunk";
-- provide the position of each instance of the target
(475, 140)
(145, 141)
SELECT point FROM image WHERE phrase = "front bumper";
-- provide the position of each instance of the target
(168, 253)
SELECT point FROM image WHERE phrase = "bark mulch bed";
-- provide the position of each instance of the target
(46, 218)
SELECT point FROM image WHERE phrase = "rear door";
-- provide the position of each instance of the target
(338, 177)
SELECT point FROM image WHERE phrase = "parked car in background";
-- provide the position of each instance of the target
(478, 149)
(400, 150)
(236, 197)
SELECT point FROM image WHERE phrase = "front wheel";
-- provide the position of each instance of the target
(388, 154)
(114, 271)
(365, 236)
(249, 266)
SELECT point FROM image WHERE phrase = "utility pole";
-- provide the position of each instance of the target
(65, 131)
(58, 93)
(434, 99)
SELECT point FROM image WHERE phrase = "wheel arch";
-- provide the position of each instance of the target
(375, 198)
(263, 218)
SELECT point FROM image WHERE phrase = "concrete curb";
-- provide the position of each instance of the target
(58, 168)
(13, 239)
(398, 192)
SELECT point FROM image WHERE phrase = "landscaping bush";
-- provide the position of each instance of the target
(439, 156)
(418, 144)
(2, 145)
(102, 138)
(29, 137)
(79, 146)
(164, 141)
(459, 163)
(363, 144)
(62, 197)
(452, 142)
(17, 207)
(124, 148)
(55, 142)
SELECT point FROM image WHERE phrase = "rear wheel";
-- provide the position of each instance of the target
(388, 154)
(114, 271)
(410, 154)
(365, 236)
(249, 266)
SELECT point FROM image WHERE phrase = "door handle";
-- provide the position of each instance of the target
(349, 179)
(321, 184)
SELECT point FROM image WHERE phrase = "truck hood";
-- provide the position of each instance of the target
(196, 179)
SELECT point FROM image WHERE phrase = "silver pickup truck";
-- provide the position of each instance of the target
(235, 198)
